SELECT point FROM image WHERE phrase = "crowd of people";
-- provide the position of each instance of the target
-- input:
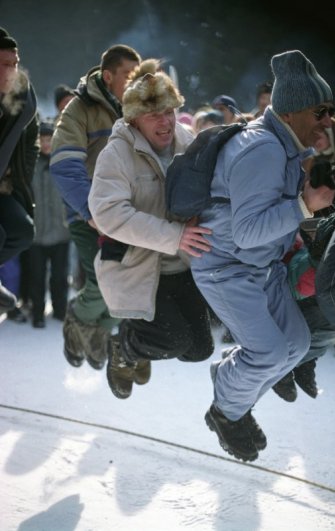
(92, 179)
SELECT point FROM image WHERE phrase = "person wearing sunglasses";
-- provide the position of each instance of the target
(323, 112)
(243, 277)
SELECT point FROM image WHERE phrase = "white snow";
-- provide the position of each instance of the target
(74, 457)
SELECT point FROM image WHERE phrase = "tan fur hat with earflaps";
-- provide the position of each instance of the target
(149, 90)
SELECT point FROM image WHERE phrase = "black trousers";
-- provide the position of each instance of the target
(181, 327)
(40, 257)
(16, 228)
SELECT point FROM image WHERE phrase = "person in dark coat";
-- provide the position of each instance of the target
(18, 152)
(51, 242)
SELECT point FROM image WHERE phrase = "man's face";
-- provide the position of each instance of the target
(9, 61)
(45, 142)
(116, 80)
(310, 123)
(157, 127)
(263, 101)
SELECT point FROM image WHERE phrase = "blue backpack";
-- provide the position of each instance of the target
(189, 176)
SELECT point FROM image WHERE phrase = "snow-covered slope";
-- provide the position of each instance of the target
(74, 457)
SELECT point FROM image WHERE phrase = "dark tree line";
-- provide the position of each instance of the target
(216, 46)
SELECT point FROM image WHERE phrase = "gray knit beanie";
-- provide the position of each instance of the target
(297, 84)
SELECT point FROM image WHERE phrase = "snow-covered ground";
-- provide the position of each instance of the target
(74, 457)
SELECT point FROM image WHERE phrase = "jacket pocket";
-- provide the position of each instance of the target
(112, 249)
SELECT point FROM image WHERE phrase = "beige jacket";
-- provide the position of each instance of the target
(127, 202)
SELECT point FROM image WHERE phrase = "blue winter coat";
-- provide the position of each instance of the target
(260, 171)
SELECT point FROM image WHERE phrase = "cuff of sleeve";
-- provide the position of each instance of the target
(305, 212)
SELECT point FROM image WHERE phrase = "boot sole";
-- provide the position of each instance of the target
(211, 423)
(118, 394)
(260, 445)
(287, 398)
(97, 365)
(313, 393)
(73, 360)
(141, 382)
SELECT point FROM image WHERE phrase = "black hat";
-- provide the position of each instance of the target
(6, 41)
(61, 91)
(47, 128)
(225, 100)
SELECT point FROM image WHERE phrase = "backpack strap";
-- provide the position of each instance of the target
(225, 200)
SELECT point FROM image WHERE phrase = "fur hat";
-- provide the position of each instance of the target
(6, 41)
(149, 90)
(297, 84)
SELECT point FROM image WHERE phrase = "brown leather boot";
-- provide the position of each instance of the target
(120, 375)
(73, 346)
(142, 372)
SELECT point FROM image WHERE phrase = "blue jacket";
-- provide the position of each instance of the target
(259, 170)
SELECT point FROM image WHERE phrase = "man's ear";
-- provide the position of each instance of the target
(107, 76)
(286, 117)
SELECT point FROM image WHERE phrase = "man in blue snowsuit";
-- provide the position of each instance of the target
(243, 278)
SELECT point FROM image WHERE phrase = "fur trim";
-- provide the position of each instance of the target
(149, 90)
(12, 101)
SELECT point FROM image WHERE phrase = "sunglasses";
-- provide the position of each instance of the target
(323, 111)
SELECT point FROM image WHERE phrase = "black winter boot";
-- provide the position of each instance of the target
(258, 435)
(286, 388)
(304, 376)
(235, 437)
(17, 315)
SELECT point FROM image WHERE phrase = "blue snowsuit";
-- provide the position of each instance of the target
(243, 277)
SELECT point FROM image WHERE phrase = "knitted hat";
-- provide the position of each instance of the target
(149, 90)
(297, 84)
(61, 91)
(6, 41)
